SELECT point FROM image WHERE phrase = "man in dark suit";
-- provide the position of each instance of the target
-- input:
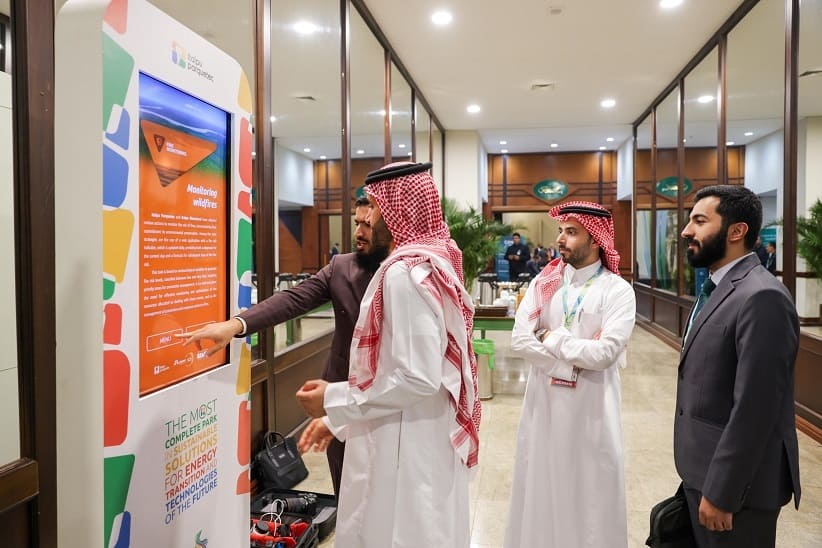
(770, 262)
(517, 256)
(735, 442)
(343, 282)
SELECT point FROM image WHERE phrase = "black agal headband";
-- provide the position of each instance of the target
(395, 172)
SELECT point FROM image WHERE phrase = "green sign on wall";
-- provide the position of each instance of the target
(550, 189)
(360, 192)
(668, 186)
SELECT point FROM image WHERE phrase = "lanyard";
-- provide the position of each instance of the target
(569, 316)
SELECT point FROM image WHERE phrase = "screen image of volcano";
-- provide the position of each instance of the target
(183, 223)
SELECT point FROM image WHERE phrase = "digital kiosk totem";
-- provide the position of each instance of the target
(153, 239)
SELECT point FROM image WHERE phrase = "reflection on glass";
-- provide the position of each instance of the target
(666, 189)
(400, 117)
(809, 169)
(9, 405)
(700, 137)
(436, 157)
(422, 127)
(642, 197)
(367, 100)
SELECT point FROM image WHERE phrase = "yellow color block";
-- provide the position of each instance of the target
(118, 226)
(244, 93)
(244, 371)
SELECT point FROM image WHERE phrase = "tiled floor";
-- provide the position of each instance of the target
(649, 385)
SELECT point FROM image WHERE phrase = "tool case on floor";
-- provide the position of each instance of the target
(317, 510)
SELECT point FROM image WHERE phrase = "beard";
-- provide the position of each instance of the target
(710, 251)
(371, 260)
(576, 257)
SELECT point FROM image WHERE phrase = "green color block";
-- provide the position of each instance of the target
(108, 288)
(118, 66)
(243, 248)
(116, 479)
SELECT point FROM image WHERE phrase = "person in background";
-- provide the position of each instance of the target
(517, 255)
(410, 410)
(532, 267)
(335, 250)
(572, 328)
(343, 282)
(735, 444)
(770, 262)
(760, 251)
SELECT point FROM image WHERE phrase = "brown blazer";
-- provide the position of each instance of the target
(343, 283)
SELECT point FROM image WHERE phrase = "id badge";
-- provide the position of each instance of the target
(566, 383)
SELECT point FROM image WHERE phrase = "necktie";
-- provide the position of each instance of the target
(707, 288)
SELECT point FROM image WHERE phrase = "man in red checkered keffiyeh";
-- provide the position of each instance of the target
(572, 328)
(410, 411)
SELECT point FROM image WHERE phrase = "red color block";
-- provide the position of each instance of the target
(117, 15)
(116, 379)
(112, 324)
(243, 483)
(244, 203)
(244, 433)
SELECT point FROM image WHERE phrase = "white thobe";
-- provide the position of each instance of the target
(403, 484)
(568, 489)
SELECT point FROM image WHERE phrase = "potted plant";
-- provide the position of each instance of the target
(475, 235)
(809, 243)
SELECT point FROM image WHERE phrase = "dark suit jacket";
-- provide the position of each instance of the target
(770, 263)
(734, 434)
(343, 283)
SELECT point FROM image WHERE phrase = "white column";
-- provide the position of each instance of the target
(466, 172)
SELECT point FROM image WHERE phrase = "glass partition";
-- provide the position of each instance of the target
(400, 117)
(367, 101)
(701, 129)
(9, 404)
(809, 156)
(642, 197)
(436, 157)
(422, 128)
(665, 188)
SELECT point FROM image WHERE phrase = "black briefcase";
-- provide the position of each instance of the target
(279, 464)
(671, 523)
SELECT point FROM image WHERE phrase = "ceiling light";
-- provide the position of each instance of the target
(554, 145)
(401, 145)
(473, 109)
(504, 151)
(253, 154)
(503, 142)
(705, 98)
(684, 140)
(323, 157)
(410, 154)
(668, 4)
(610, 139)
(360, 151)
(304, 27)
(442, 18)
(603, 148)
(607, 103)
(729, 143)
(306, 150)
(748, 133)
(273, 118)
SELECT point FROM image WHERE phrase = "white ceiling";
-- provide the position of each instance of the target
(494, 51)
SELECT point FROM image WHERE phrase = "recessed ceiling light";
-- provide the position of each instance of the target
(306, 150)
(748, 133)
(473, 109)
(504, 151)
(304, 27)
(410, 154)
(668, 4)
(554, 145)
(401, 145)
(705, 98)
(273, 118)
(323, 157)
(610, 139)
(603, 148)
(360, 151)
(729, 143)
(503, 142)
(442, 17)
(607, 103)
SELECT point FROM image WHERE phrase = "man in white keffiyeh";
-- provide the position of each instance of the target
(572, 328)
(409, 411)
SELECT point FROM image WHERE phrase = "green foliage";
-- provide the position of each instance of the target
(476, 237)
(809, 244)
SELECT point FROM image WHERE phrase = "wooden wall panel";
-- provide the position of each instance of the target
(312, 258)
(666, 313)
(644, 302)
(571, 167)
(293, 366)
(290, 251)
(14, 524)
(621, 212)
(808, 380)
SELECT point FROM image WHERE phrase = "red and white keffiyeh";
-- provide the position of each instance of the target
(410, 207)
(601, 230)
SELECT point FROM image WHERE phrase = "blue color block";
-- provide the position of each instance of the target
(244, 296)
(120, 137)
(115, 178)
(124, 537)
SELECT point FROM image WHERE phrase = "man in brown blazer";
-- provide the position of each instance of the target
(343, 282)
(735, 443)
